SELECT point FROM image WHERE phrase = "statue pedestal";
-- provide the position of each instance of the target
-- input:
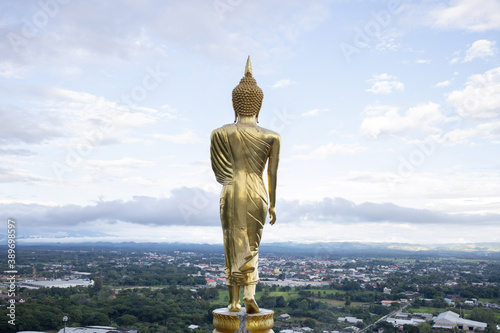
(228, 322)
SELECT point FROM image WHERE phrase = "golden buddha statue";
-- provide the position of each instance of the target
(239, 153)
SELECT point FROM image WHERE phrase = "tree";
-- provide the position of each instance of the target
(388, 327)
(95, 318)
(303, 305)
(268, 302)
(126, 320)
(424, 327)
(491, 328)
(410, 328)
(98, 284)
(281, 302)
(212, 293)
(483, 315)
(379, 309)
(309, 323)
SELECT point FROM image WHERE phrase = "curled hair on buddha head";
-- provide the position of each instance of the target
(247, 96)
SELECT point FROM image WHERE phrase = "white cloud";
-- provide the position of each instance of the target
(455, 137)
(378, 109)
(123, 162)
(385, 84)
(330, 149)
(199, 26)
(480, 49)
(489, 131)
(119, 169)
(187, 137)
(314, 112)
(8, 175)
(28, 126)
(388, 41)
(140, 35)
(481, 96)
(300, 147)
(477, 15)
(282, 83)
(172, 211)
(88, 110)
(442, 84)
(423, 117)
(423, 61)
(170, 112)
(9, 71)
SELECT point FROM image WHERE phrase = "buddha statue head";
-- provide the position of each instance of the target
(247, 96)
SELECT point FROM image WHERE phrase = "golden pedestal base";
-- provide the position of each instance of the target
(228, 322)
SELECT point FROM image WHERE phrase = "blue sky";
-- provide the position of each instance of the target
(389, 113)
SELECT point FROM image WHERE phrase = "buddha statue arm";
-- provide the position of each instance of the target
(272, 173)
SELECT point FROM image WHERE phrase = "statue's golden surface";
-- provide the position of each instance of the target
(239, 153)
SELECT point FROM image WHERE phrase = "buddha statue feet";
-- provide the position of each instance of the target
(234, 299)
(250, 305)
(234, 307)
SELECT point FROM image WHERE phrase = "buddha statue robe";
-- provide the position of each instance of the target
(238, 156)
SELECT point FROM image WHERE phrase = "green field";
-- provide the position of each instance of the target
(288, 295)
(338, 303)
(327, 291)
(490, 300)
(424, 309)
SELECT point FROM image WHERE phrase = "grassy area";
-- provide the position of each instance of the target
(326, 291)
(287, 295)
(222, 295)
(333, 302)
(119, 288)
(424, 309)
(489, 300)
(337, 303)
(292, 294)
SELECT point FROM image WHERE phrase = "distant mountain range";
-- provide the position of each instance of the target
(330, 249)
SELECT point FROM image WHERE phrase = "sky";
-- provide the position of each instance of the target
(389, 114)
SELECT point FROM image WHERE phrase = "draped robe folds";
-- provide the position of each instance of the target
(238, 160)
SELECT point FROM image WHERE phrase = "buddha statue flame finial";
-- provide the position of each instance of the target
(247, 96)
(248, 68)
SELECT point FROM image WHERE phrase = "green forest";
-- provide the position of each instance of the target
(153, 296)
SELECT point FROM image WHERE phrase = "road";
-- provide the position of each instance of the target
(384, 317)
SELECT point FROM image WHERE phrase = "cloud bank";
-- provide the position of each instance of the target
(196, 207)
